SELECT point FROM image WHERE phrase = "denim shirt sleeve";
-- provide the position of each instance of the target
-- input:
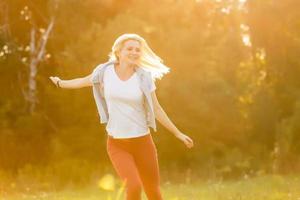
(149, 86)
(152, 85)
(97, 76)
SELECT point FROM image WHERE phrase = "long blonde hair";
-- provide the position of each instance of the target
(149, 61)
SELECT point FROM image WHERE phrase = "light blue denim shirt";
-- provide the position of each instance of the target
(145, 79)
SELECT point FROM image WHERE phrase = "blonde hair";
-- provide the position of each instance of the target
(149, 61)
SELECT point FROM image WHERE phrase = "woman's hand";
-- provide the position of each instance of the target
(73, 83)
(185, 139)
(55, 79)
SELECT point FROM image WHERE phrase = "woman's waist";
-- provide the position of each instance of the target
(128, 137)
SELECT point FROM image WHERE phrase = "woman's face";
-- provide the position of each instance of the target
(130, 52)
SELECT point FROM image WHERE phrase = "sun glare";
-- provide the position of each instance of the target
(246, 40)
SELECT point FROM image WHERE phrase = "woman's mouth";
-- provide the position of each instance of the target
(133, 57)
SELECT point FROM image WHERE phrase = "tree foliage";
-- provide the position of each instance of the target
(233, 86)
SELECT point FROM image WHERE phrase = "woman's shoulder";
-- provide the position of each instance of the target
(100, 67)
(103, 65)
(99, 70)
(144, 72)
(145, 76)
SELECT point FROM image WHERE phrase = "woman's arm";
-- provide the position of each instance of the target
(163, 118)
(73, 83)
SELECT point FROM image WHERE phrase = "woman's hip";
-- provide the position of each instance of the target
(131, 145)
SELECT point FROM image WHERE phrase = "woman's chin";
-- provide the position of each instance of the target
(133, 62)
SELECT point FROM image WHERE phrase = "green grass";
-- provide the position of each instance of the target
(272, 187)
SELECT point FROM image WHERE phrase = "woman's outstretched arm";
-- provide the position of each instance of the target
(163, 118)
(73, 83)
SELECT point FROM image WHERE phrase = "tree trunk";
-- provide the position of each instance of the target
(37, 52)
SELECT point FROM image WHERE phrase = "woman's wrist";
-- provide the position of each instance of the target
(177, 133)
(58, 83)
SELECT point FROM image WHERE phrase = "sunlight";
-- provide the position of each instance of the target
(242, 3)
(107, 182)
(260, 54)
(233, 89)
(225, 10)
(244, 27)
(246, 40)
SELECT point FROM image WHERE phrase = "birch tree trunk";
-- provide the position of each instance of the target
(37, 53)
(4, 23)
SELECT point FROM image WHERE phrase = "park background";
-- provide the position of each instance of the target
(233, 87)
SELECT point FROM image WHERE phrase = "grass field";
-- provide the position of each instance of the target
(271, 187)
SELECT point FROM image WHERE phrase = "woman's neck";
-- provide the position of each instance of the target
(125, 67)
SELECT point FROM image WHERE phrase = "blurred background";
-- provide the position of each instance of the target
(234, 86)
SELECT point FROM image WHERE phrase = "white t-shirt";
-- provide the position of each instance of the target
(125, 104)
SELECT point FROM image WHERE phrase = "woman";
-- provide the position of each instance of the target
(124, 91)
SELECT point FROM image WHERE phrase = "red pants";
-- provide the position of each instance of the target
(135, 161)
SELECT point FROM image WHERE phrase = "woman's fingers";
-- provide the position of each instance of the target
(54, 79)
(189, 142)
(186, 140)
(190, 145)
(51, 77)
